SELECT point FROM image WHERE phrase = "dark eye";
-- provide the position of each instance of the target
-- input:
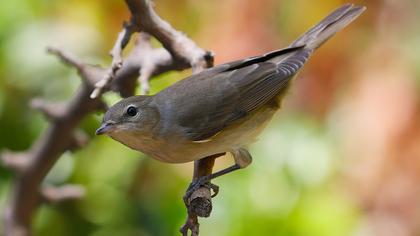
(131, 111)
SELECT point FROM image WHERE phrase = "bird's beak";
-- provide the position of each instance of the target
(105, 127)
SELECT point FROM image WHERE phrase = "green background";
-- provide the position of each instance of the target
(312, 172)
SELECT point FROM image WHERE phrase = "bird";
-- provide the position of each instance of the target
(219, 110)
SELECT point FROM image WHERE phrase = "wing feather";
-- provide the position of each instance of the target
(242, 87)
(205, 103)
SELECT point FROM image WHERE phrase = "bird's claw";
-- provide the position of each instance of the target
(203, 181)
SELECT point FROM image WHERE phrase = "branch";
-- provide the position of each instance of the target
(149, 66)
(177, 43)
(116, 54)
(199, 203)
(66, 58)
(50, 110)
(181, 52)
(14, 161)
(182, 49)
(77, 140)
(68, 192)
(32, 166)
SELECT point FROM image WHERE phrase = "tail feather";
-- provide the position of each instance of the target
(330, 25)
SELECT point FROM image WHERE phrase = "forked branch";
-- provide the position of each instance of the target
(32, 165)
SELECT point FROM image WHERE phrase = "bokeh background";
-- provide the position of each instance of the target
(341, 158)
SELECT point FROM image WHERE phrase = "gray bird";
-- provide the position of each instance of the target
(219, 110)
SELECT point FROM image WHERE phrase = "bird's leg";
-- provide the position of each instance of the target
(202, 168)
(201, 178)
(242, 159)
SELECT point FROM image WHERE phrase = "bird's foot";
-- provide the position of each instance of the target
(203, 181)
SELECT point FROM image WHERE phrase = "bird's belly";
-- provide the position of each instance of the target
(236, 136)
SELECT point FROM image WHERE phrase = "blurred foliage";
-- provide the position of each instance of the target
(298, 183)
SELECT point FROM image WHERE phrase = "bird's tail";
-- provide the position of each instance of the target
(331, 24)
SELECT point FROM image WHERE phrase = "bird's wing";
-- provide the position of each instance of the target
(242, 87)
(206, 103)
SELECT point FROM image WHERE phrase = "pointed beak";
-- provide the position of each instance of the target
(105, 127)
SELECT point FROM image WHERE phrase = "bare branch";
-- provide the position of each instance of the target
(50, 110)
(191, 224)
(67, 58)
(122, 41)
(177, 43)
(90, 74)
(145, 74)
(14, 161)
(78, 140)
(116, 54)
(199, 202)
(51, 194)
(144, 61)
(144, 18)
(148, 66)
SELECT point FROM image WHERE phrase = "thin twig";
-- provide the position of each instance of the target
(67, 192)
(66, 57)
(116, 54)
(50, 110)
(14, 161)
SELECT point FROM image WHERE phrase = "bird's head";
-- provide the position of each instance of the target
(130, 115)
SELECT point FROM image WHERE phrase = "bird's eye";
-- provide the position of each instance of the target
(131, 111)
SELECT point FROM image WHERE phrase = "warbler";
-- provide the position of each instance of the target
(219, 110)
